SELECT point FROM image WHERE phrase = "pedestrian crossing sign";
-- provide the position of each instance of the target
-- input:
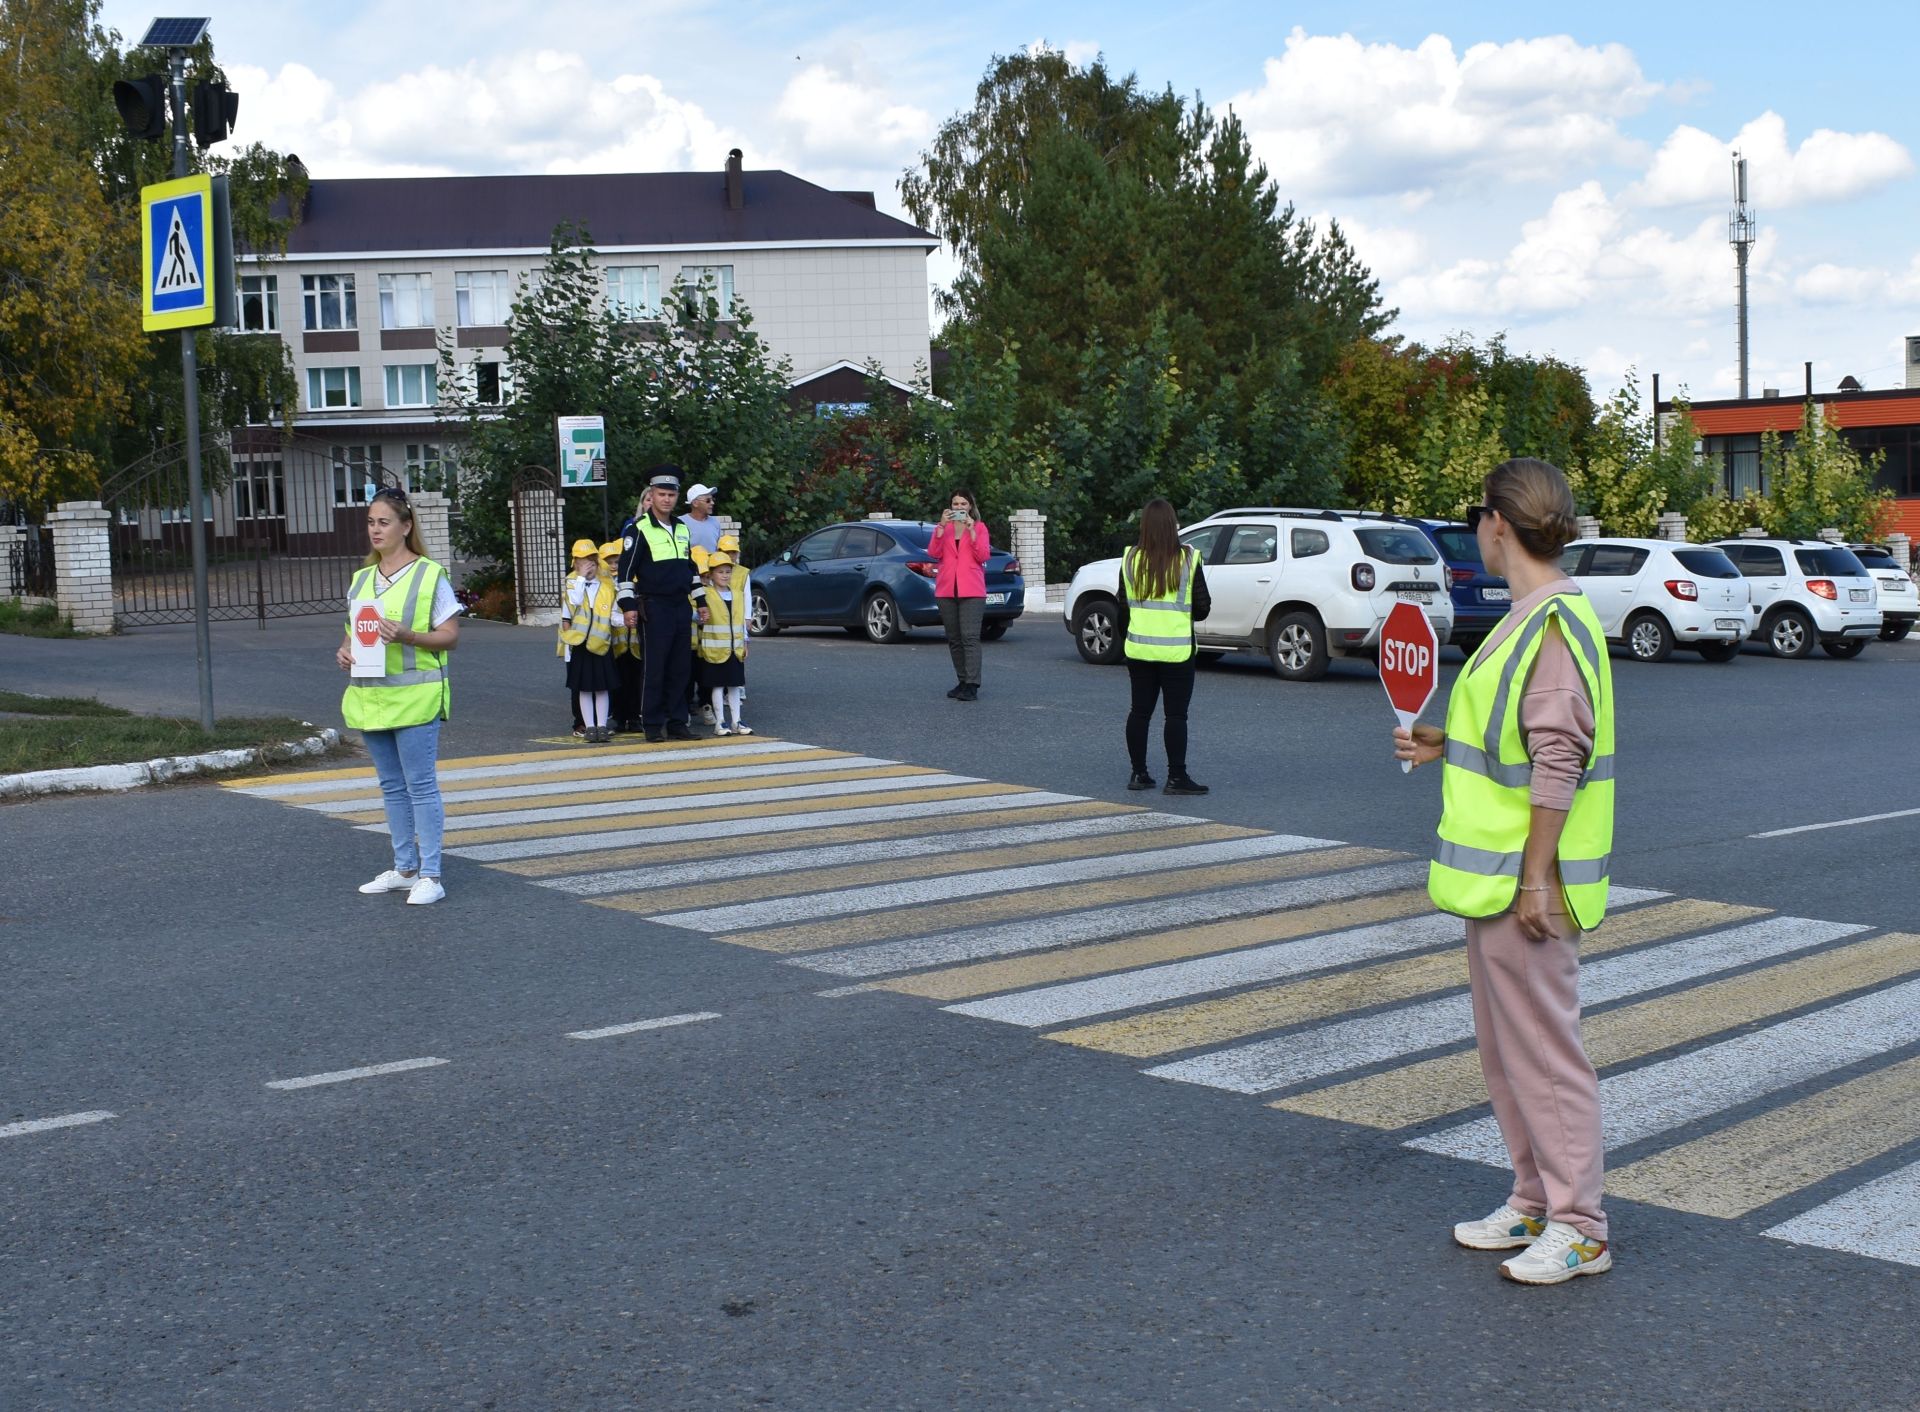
(176, 223)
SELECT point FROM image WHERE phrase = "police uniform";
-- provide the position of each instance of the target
(656, 579)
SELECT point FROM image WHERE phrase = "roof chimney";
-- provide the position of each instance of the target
(736, 195)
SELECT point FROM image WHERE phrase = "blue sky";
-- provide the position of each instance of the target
(1562, 178)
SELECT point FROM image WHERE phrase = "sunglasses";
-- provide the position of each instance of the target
(1477, 513)
(396, 495)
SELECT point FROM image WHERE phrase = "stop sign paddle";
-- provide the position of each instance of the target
(1409, 664)
(366, 624)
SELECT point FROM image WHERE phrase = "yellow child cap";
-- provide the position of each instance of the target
(717, 561)
(585, 549)
(730, 543)
(611, 549)
(699, 557)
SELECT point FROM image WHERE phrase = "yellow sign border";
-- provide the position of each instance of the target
(202, 187)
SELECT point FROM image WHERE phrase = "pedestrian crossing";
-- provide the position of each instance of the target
(1755, 1067)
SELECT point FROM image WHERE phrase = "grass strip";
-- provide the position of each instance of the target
(40, 620)
(66, 742)
(21, 704)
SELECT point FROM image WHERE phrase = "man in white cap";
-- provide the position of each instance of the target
(703, 531)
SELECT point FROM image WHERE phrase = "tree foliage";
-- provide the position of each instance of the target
(1627, 482)
(1813, 480)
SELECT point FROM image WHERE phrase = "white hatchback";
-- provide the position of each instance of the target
(1652, 595)
(1899, 598)
(1808, 591)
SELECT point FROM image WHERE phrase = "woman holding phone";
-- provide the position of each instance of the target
(960, 547)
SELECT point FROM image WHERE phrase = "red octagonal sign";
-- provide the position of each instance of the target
(366, 624)
(1409, 660)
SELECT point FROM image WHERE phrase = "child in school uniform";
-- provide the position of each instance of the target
(626, 653)
(586, 640)
(741, 583)
(723, 646)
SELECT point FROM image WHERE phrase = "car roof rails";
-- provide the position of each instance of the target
(1295, 511)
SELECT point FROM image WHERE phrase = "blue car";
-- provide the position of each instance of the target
(875, 579)
(1480, 599)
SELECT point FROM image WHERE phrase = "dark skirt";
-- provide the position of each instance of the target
(732, 672)
(587, 671)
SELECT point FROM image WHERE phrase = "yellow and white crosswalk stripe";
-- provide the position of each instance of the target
(1746, 1058)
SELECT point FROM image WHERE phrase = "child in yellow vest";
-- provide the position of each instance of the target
(742, 581)
(626, 653)
(723, 645)
(586, 640)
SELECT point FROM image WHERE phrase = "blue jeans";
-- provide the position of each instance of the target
(416, 818)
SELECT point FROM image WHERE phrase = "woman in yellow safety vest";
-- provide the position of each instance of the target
(1526, 830)
(1166, 591)
(411, 610)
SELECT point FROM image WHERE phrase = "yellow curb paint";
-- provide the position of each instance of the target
(640, 855)
(1018, 973)
(1775, 1154)
(1205, 1022)
(612, 823)
(962, 912)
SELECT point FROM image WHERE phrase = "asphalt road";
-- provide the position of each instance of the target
(833, 1202)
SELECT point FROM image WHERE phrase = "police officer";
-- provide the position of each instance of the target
(655, 583)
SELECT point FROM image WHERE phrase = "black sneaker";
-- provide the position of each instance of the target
(1182, 784)
(968, 692)
(655, 734)
(954, 695)
(1141, 780)
(680, 732)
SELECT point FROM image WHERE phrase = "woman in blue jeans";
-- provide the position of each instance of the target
(402, 605)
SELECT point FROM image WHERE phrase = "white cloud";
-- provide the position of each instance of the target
(1838, 284)
(1337, 115)
(1904, 288)
(1388, 251)
(838, 119)
(1694, 167)
(1077, 51)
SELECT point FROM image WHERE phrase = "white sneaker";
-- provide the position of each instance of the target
(742, 728)
(389, 881)
(1503, 1229)
(425, 890)
(1558, 1255)
(706, 714)
(721, 730)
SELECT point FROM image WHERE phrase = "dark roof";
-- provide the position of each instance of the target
(342, 216)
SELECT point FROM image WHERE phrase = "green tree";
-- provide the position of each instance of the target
(1627, 482)
(1813, 480)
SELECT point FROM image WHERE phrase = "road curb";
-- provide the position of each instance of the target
(116, 778)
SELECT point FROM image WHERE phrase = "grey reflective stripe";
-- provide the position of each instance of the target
(1582, 640)
(415, 678)
(409, 658)
(1159, 641)
(1482, 861)
(1575, 871)
(1600, 769)
(1497, 717)
(1474, 760)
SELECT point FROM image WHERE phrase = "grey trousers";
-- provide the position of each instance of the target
(961, 618)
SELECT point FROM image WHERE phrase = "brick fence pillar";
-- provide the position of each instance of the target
(1673, 525)
(1586, 527)
(83, 564)
(878, 515)
(1902, 549)
(430, 511)
(1030, 548)
(1833, 536)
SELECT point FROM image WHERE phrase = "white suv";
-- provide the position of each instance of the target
(1655, 594)
(1298, 585)
(1899, 598)
(1808, 591)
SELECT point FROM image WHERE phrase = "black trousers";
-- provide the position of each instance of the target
(626, 696)
(666, 663)
(1154, 681)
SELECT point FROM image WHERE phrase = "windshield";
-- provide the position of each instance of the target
(1833, 563)
(1708, 563)
(1459, 545)
(1396, 546)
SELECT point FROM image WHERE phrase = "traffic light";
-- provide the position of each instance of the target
(214, 112)
(142, 103)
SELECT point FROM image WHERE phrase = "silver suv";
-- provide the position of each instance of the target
(1808, 591)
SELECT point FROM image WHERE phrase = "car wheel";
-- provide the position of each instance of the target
(1649, 639)
(761, 622)
(1846, 648)
(880, 618)
(1297, 646)
(1895, 632)
(1790, 633)
(1719, 651)
(1096, 632)
(993, 632)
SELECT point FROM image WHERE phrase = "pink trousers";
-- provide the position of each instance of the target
(1546, 1096)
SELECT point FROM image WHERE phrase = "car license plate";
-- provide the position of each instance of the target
(1496, 595)
(1730, 624)
(1859, 595)
(996, 598)
(1406, 596)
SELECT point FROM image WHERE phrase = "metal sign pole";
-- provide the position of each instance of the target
(190, 376)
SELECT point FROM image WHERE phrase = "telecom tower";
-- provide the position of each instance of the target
(1740, 229)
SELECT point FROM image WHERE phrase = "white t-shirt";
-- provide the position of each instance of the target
(705, 533)
(445, 604)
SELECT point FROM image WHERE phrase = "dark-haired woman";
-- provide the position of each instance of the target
(959, 548)
(1165, 589)
(399, 712)
(1526, 830)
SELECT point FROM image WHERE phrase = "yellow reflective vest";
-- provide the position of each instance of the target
(591, 624)
(414, 689)
(1160, 629)
(1487, 775)
(724, 633)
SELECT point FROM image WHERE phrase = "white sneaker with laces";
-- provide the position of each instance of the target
(425, 890)
(390, 881)
(722, 730)
(742, 728)
(1558, 1255)
(1503, 1229)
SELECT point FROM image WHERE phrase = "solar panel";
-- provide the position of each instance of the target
(175, 33)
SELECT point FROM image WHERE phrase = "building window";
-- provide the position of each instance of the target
(490, 383)
(328, 302)
(410, 385)
(481, 297)
(406, 301)
(425, 469)
(329, 388)
(356, 474)
(259, 490)
(633, 292)
(719, 282)
(260, 303)
(1743, 466)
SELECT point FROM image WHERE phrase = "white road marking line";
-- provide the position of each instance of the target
(1837, 824)
(637, 879)
(557, 761)
(879, 784)
(665, 1022)
(1076, 1000)
(44, 1125)
(772, 823)
(1011, 937)
(1643, 1102)
(1348, 1044)
(371, 1071)
(1880, 1219)
(878, 896)
(770, 769)
(841, 991)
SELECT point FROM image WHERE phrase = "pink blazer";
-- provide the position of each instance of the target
(960, 574)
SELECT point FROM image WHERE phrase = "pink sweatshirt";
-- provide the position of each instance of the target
(960, 559)
(1555, 716)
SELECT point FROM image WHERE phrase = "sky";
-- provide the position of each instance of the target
(1563, 179)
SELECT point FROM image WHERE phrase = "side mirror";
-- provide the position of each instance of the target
(792, 556)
